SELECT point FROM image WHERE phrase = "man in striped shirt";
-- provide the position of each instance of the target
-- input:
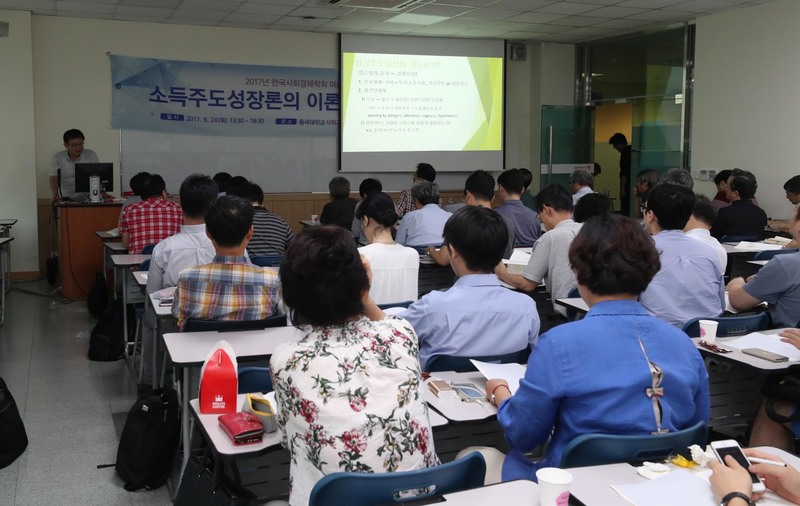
(271, 233)
(230, 287)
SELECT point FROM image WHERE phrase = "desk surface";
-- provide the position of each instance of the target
(736, 354)
(116, 246)
(129, 260)
(106, 236)
(5, 240)
(190, 349)
(140, 277)
(8, 222)
(155, 299)
(510, 492)
(453, 408)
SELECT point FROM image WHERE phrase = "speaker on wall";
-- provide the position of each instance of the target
(519, 52)
(3, 28)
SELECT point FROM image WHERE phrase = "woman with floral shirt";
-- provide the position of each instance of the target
(348, 392)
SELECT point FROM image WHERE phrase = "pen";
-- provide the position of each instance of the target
(757, 460)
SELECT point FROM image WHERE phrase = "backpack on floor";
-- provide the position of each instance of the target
(13, 438)
(107, 342)
(150, 439)
(97, 301)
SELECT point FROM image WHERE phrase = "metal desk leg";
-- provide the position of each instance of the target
(125, 309)
(3, 251)
(185, 432)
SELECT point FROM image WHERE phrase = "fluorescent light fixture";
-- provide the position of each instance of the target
(416, 19)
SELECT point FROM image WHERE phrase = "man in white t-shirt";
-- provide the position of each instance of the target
(63, 166)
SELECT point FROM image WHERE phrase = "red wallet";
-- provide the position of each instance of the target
(242, 428)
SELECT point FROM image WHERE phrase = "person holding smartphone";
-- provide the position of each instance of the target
(732, 485)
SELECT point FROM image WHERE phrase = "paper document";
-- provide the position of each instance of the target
(518, 257)
(783, 241)
(512, 373)
(676, 487)
(164, 292)
(768, 342)
(113, 231)
(757, 246)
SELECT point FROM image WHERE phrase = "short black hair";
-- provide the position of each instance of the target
(792, 185)
(597, 169)
(369, 185)
(703, 210)
(479, 234)
(339, 187)
(556, 196)
(744, 182)
(481, 184)
(679, 176)
(593, 204)
(722, 175)
(73, 133)
(426, 171)
(612, 254)
(512, 180)
(153, 186)
(582, 176)
(223, 180)
(672, 204)
(380, 207)
(254, 193)
(618, 138)
(647, 176)
(228, 220)
(197, 192)
(527, 177)
(425, 192)
(322, 277)
(138, 182)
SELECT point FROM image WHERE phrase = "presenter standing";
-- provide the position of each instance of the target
(63, 166)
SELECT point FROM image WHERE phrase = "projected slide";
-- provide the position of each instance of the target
(421, 103)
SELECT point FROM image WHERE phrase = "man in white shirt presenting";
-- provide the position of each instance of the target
(63, 163)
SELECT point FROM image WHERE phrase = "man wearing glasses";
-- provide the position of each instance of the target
(63, 165)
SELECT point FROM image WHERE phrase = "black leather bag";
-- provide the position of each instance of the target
(199, 487)
(13, 438)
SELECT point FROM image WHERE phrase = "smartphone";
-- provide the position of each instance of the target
(766, 355)
(469, 392)
(166, 301)
(438, 386)
(731, 447)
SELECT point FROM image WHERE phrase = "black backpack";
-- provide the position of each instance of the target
(13, 438)
(107, 342)
(97, 301)
(150, 439)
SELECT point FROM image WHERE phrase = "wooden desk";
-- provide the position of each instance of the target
(80, 256)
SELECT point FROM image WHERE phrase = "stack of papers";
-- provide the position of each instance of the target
(757, 246)
(512, 373)
(767, 342)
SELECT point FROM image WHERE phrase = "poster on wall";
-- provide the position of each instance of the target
(223, 99)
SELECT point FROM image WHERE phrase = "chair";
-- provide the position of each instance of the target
(267, 260)
(572, 315)
(254, 379)
(730, 326)
(367, 489)
(768, 254)
(194, 325)
(148, 250)
(390, 305)
(740, 238)
(439, 363)
(423, 250)
(599, 449)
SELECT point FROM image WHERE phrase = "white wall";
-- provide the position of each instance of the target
(18, 162)
(746, 102)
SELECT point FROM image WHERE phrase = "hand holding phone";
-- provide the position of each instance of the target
(730, 447)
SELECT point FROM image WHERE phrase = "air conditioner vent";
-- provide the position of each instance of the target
(384, 5)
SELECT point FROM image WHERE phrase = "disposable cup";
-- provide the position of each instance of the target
(553, 486)
(708, 331)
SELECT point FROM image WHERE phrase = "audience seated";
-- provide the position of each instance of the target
(597, 375)
(526, 198)
(223, 180)
(424, 225)
(350, 390)
(478, 191)
(151, 220)
(188, 248)
(477, 316)
(230, 287)
(721, 200)
(137, 183)
(689, 283)
(340, 210)
(792, 189)
(777, 283)
(395, 268)
(549, 260)
(271, 233)
(367, 186)
(423, 172)
(580, 184)
(742, 217)
(699, 227)
(594, 204)
(527, 227)
(680, 177)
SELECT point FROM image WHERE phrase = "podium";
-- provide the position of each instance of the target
(80, 253)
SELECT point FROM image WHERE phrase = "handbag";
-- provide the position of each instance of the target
(242, 428)
(13, 438)
(199, 487)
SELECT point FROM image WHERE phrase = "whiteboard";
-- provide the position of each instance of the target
(277, 164)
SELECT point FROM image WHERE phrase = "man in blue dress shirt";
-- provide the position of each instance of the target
(689, 283)
(424, 225)
(527, 227)
(477, 316)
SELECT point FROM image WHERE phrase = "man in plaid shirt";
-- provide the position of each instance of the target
(230, 287)
(152, 219)
(423, 172)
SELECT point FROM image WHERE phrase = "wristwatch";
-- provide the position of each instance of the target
(735, 495)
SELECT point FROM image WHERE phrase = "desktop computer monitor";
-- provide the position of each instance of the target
(83, 171)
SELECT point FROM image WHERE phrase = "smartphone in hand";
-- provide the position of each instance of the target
(731, 447)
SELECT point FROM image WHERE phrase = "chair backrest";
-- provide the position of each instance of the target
(730, 325)
(267, 260)
(768, 254)
(389, 305)
(740, 238)
(148, 250)
(254, 379)
(599, 449)
(193, 325)
(572, 315)
(369, 489)
(438, 363)
(423, 250)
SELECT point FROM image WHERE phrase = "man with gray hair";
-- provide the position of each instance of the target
(679, 176)
(425, 224)
(580, 184)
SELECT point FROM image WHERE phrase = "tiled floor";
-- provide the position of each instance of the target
(69, 406)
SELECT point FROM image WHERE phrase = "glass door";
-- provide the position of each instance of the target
(567, 142)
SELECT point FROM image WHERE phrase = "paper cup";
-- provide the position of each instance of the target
(553, 486)
(708, 331)
(315, 219)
